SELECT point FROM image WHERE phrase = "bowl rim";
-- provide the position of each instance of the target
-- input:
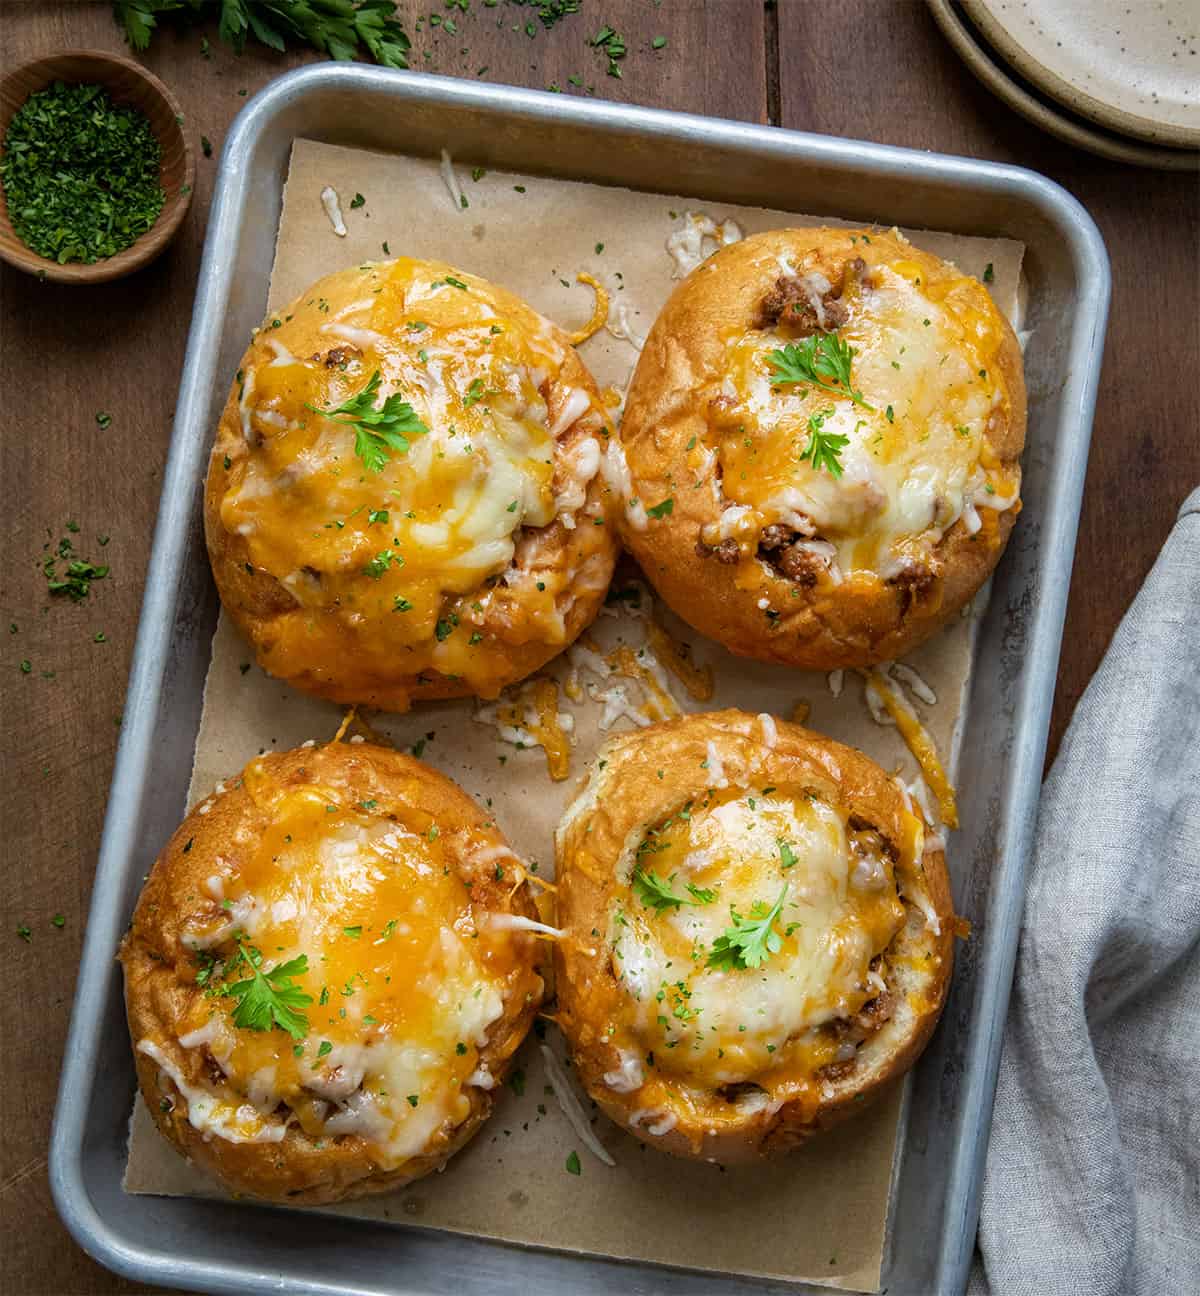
(147, 246)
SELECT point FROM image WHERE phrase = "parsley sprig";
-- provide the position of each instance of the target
(749, 941)
(377, 432)
(655, 892)
(824, 449)
(267, 998)
(335, 27)
(822, 360)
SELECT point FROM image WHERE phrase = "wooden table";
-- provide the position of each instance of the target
(871, 69)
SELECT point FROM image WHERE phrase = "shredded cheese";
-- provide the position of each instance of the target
(571, 1107)
(599, 308)
(919, 743)
(907, 675)
(698, 680)
(333, 209)
(624, 330)
(451, 182)
(518, 922)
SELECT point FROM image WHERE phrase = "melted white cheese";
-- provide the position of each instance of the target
(333, 209)
(726, 1023)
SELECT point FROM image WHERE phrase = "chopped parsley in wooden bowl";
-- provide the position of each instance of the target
(95, 171)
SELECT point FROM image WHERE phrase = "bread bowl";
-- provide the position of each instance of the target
(756, 934)
(402, 501)
(383, 914)
(820, 453)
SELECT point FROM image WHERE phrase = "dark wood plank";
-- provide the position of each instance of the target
(882, 71)
(68, 353)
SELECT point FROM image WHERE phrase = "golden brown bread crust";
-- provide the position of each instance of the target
(160, 971)
(823, 626)
(258, 601)
(637, 779)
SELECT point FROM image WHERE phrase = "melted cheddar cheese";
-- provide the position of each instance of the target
(732, 854)
(396, 571)
(914, 463)
(404, 978)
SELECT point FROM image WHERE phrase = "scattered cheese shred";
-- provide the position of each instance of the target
(660, 705)
(599, 308)
(518, 922)
(450, 180)
(919, 743)
(698, 680)
(571, 1106)
(333, 209)
(347, 721)
(547, 728)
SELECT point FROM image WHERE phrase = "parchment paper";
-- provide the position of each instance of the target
(819, 1215)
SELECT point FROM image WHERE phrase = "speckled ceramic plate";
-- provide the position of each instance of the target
(1133, 66)
(1023, 100)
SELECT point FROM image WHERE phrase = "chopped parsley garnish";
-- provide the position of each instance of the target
(573, 1166)
(324, 1049)
(76, 581)
(822, 360)
(269, 999)
(80, 173)
(353, 932)
(357, 201)
(749, 941)
(380, 563)
(989, 273)
(787, 856)
(823, 448)
(475, 393)
(662, 510)
(377, 432)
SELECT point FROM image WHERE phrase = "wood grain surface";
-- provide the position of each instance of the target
(872, 69)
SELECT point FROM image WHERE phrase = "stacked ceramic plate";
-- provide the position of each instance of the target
(1120, 78)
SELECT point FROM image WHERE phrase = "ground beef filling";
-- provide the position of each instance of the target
(796, 306)
(784, 549)
(781, 546)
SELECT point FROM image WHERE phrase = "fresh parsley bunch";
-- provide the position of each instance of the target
(338, 28)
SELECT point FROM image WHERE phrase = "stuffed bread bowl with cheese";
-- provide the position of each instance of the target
(327, 974)
(820, 452)
(757, 933)
(402, 500)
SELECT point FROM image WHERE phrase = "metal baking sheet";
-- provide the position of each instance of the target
(216, 1246)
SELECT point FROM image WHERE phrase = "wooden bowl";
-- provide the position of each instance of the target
(130, 85)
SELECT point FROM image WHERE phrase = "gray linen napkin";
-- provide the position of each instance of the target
(1092, 1183)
